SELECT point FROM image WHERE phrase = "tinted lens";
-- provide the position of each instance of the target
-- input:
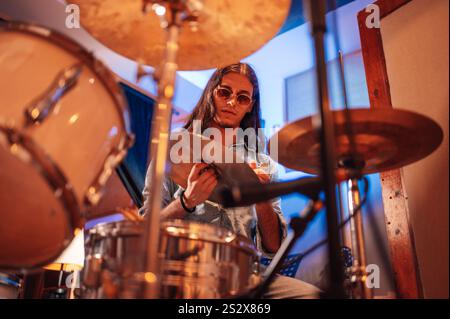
(243, 99)
(224, 93)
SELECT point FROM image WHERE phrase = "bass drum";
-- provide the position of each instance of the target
(64, 126)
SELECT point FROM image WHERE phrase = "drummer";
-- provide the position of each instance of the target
(231, 100)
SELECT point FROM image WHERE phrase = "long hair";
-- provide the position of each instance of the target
(205, 109)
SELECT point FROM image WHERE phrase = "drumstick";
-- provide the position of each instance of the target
(131, 213)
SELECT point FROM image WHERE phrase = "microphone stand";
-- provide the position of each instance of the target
(317, 9)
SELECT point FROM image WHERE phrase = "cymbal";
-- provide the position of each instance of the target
(229, 173)
(227, 32)
(385, 139)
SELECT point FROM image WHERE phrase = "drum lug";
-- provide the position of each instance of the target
(95, 191)
(256, 268)
(41, 107)
(93, 268)
(11, 140)
(127, 142)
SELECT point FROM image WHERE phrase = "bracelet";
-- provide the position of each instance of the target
(184, 205)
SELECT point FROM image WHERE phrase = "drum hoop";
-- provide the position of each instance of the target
(55, 179)
(109, 80)
(96, 65)
(115, 229)
(239, 242)
(235, 240)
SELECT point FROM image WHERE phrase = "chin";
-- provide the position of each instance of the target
(225, 123)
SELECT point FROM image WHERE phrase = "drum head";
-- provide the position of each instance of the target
(35, 220)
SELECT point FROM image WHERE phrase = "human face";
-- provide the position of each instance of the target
(230, 110)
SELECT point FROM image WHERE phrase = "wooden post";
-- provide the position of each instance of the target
(399, 232)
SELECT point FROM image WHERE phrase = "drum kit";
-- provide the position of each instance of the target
(58, 162)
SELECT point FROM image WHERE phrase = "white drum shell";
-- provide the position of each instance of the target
(81, 140)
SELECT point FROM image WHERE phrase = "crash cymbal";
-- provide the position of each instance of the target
(385, 139)
(227, 32)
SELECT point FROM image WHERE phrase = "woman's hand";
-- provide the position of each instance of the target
(263, 177)
(201, 182)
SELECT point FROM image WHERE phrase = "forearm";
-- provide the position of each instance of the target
(173, 211)
(269, 226)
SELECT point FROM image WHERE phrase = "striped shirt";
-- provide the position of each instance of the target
(240, 220)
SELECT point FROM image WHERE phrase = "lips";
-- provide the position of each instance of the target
(228, 112)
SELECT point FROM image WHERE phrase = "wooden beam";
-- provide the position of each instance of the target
(399, 232)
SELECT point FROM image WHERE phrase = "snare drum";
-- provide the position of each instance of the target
(203, 261)
(196, 261)
(113, 257)
(64, 126)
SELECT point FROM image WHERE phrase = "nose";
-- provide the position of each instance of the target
(232, 100)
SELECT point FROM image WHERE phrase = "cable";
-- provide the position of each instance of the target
(341, 225)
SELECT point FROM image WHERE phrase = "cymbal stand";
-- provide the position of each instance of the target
(172, 14)
(358, 274)
(357, 234)
(353, 165)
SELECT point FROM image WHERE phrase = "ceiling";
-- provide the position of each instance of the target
(296, 15)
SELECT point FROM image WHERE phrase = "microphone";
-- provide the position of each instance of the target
(249, 194)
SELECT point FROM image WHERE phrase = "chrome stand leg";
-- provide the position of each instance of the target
(359, 275)
(158, 152)
(176, 13)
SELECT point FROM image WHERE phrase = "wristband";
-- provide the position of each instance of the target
(184, 205)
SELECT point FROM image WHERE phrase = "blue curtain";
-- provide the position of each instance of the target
(141, 112)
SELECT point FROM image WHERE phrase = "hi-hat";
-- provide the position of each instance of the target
(385, 139)
(227, 30)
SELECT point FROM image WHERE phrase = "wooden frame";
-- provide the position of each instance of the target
(399, 231)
